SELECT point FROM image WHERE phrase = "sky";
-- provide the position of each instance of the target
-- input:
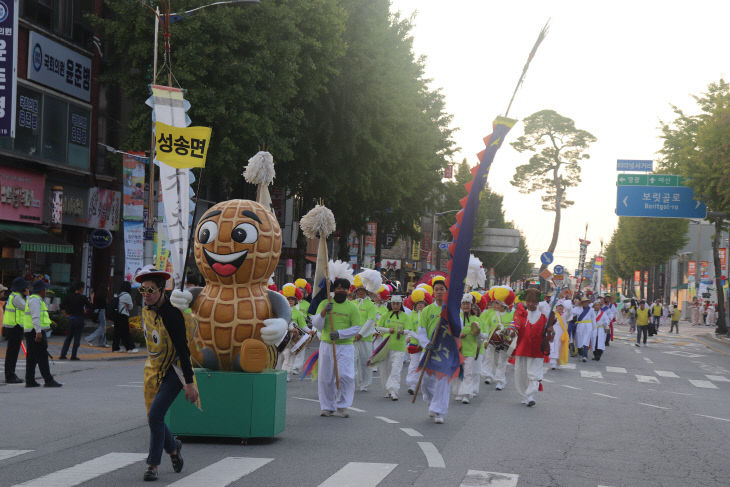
(615, 68)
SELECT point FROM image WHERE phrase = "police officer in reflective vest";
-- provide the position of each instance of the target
(13, 324)
(36, 322)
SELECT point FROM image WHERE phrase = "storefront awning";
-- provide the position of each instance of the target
(32, 239)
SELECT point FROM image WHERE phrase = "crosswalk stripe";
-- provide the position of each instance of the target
(604, 395)
(618, 370)
(359, 474)
(648, 360)
(712, 417)
(571, 387)
(480, 478)
(652, 405)
(411, 432)
(717, 378)
(83, 472)
(222, 473)
(704, 384)
(666, 373)
(433, 457)
(387, 420)
(5, 454)
(564, 366)
(647, 379)
(591, 373)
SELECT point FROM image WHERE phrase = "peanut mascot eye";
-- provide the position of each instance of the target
(208, 232)
(245, 233)
(156, 337)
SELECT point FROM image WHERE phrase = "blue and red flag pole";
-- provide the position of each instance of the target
(445, 350)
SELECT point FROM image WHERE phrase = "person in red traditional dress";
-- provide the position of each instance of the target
(530, 352)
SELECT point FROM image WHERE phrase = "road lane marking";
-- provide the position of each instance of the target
(359, 474)
(648, 360)
(712, 417)
(570, 366)
(129, 385)
(601, 382)
(222, 473)
(387, 420)
(647, 379)
(480, 478)
(652, 405)
(357, 410)
(617, 370)
(704, 384)
(637, 351)
(666, 373)
(433, 457)
(572, 387)
(411, 432)
(5, 454)
(83, 472)
(717, 378)
(604, 395)
(680, 393)
(305, 399)
(682, 353)
(596, 374)
(548, 380)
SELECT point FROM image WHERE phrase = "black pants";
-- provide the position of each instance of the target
(121, 333)
(75, 328)
(15, 337)
(37, 355)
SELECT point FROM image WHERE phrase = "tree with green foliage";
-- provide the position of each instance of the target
(644, 244)
(558, 148)
(697, 148)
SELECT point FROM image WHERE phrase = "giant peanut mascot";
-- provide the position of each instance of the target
(241, 322)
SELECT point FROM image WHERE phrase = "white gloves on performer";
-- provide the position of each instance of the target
(181, 299)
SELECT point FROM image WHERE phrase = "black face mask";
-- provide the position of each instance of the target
(340, 297)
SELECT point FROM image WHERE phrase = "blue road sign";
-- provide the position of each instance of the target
(546, 258)
(588, 273)
(444, 245)
(558, 270)
(659, 202)
(632, 165)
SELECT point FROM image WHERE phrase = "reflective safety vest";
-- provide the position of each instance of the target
(13, 316)
(45, 318)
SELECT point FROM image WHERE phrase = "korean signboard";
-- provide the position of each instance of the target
(21, 195)
(370, 238)
(133, 176)
(8, 65)
(58, 67)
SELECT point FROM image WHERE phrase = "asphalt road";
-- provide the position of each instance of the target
(649, 416)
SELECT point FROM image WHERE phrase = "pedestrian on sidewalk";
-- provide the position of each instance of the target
(121, 323)
(695, 316)
(13, 326)
(642, 323)
(36, 322)
(74, 306)
(711, 319)
(675, 319)
(632, 315)
(98, 337)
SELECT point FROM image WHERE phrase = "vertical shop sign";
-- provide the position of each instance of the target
(8, 65)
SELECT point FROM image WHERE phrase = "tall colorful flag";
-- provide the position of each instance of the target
(444, 360)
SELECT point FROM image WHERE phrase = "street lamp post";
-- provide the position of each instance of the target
(169, 18)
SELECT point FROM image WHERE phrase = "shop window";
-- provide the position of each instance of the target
(78, 137)
(28, 122)
(55, 119)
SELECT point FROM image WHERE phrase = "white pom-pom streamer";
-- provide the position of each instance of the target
(340, 270)
(260, 169)
(371, 280)
(319, 220)
(475, 275)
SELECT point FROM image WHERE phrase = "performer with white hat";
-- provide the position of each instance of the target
(473, 332)
(392, 326)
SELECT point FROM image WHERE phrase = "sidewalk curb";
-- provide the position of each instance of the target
(721, 344)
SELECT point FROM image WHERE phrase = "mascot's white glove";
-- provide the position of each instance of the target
(273, 331)
(181, 299)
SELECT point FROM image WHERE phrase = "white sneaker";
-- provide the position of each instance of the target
(438, 419)
(499, 387)
(134, 350)
(465, 400)
(342, 413)
(458, 398)
(431, 414)
(325, 413)
(394, 397)
(363, 389)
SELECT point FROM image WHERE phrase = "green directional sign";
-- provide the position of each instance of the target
(649, 180)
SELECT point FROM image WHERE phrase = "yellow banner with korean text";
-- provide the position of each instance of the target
(182, 147)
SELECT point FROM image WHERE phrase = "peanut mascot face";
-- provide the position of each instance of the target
(237, 242)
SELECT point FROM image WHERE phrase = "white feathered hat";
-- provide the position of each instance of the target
(260, 171)
(475, 275)
(370, 279)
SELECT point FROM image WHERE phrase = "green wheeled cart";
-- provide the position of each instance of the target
(235, 404)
